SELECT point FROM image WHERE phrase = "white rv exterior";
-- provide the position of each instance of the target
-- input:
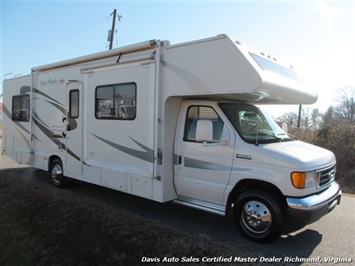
(175, 122)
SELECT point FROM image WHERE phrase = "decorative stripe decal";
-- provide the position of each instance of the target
(49, 133)
(41, 125)
(204, 165)
(9, 115)
(46, 129)
(146, 155)
(193, 163)
(45, 95)
(60, 107)
(32, 159)
(195, 83)
(71, 153)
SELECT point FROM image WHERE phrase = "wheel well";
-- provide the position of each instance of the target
(51, 159)
(248, 184)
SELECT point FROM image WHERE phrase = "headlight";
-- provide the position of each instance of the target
(304, 179)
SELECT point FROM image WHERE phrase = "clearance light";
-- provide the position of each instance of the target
(303, 179)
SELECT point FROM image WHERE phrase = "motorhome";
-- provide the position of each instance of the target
(175, 123)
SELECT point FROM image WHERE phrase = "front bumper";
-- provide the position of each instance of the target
(309, 209)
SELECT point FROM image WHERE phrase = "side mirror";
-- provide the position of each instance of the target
(204, 130)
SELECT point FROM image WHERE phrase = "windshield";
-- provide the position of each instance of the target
(252, 125)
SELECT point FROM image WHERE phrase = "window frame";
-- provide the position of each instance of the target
(114, 88)
(70, 104)
(275, 68)
(186, 139)
(20, 118)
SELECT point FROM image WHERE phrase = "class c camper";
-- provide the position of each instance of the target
(175, 123)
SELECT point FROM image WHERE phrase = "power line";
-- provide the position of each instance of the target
(53, 42)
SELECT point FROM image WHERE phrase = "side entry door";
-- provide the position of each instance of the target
(73, 129)
(204, 154)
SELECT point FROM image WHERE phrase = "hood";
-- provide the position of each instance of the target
(299, 154)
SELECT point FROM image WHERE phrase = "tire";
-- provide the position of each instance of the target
(258, 216)
(56, 173)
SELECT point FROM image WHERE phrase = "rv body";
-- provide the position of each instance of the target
(175, 122)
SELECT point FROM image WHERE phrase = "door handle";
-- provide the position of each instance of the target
(179, 160)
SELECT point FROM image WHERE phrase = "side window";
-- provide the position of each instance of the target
(21, 108)
(74, 104)
(117, 101)
(204, 113)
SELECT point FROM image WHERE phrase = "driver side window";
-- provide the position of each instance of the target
(202, 113)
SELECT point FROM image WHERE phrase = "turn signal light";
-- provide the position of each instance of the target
(299, 179)
(304, 179)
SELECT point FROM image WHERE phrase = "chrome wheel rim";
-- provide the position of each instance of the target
(56, 173)
(256, 217)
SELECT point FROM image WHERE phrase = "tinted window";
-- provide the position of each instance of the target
(21, 108)
(117, 101)
(197, 113)
(275, 68)
(74, 104)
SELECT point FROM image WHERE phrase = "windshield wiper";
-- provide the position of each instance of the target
(272, 135)
(257, 134)
(290, 137)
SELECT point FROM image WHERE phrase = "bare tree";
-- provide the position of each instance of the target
(306, 118)
(346, 108)
(290, 119)
(316, 117)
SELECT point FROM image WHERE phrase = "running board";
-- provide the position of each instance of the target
(201, 205)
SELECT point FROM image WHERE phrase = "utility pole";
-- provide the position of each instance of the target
(113, 27)
(299, 117)
(352, 110)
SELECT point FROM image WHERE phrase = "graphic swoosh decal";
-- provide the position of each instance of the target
(193, 163)
(49, 133)
(72, 122)
(9, 115)
(146, 155)
(204, 165)
(45, 95)
(40, 124)
(196, 84)
(32, 159)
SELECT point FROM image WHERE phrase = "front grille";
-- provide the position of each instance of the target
(326, 176)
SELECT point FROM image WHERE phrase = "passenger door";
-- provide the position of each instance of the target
(204, 147)
(73, 129)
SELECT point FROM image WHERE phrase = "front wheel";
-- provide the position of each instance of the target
(56, 172)
(258, 216)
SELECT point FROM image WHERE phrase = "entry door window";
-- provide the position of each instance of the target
(74, 104)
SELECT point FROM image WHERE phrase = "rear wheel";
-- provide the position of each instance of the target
(56, 172)
(258, 216)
